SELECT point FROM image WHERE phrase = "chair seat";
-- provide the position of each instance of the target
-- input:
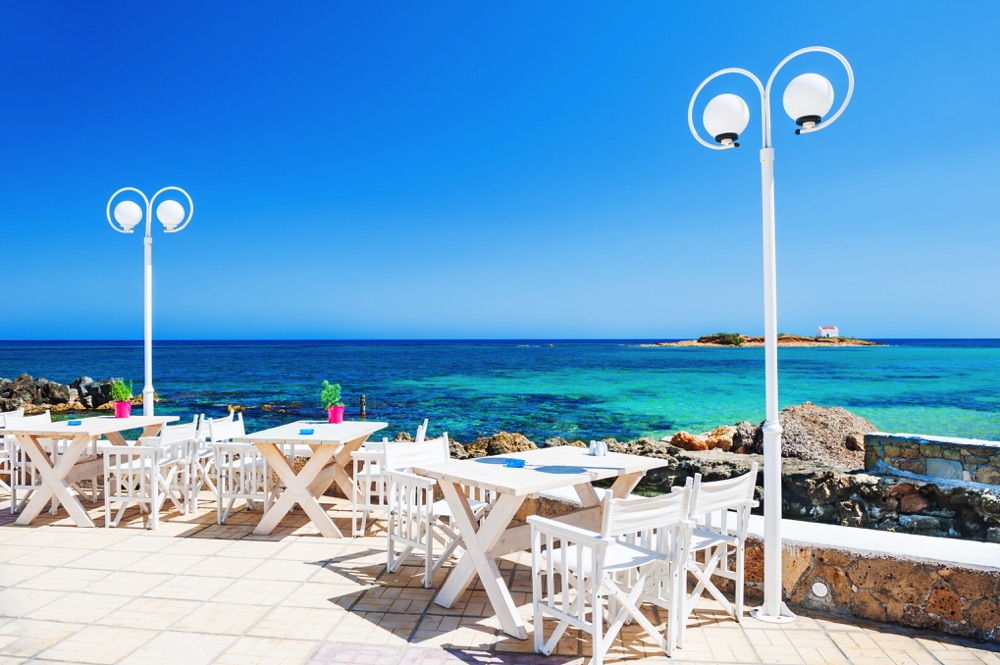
(703, 539)
(618, 556)
(442, 509)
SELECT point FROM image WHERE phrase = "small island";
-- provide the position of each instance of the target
(784, 339)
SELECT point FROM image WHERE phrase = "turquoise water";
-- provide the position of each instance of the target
(573, 389)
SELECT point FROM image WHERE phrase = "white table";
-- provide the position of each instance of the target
(331, 447)
(545, 469)
(56, 477)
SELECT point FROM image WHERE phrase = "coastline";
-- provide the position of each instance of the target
(720, 341)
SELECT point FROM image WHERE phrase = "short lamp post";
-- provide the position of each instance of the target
(126, 215)
(807, 100)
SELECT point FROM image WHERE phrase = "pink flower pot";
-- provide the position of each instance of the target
(337, 414)
(123, 409)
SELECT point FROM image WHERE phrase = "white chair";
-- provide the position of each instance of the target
(637, 557)
(24, 479)
(241, 470)
(6, 465)
(721, 512)
(368, 473)
(202, 461)
(417, 522)
(179, 443)
(132, 476)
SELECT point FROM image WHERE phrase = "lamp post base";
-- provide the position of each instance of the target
(784, 615)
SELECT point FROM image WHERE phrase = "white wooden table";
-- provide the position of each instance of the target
(545, 469)
(58, 474)
(331, 447)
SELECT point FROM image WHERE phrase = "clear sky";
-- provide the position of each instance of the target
(492, 170)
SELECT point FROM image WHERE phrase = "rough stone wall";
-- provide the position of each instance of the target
(948, 458)
(950, 599)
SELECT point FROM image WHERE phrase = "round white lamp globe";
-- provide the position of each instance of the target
(170, 214)
(725, 117)
(128, 214)
(807, 99)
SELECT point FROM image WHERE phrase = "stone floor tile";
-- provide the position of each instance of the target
(257, 592)
(109, 560)
(22, 602)
(268, 651)
(161, 562)
(98, 644)
(221, 618)
(224, 566)
(172, 648)
(149, 613)
(281, 569)
(79, 607)
(298, 623)
(190, 587)
(126, 583)
(27, 637)
(12, 575)
(65, 579)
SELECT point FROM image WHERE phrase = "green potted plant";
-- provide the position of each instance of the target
(329, 396)
(121, 395)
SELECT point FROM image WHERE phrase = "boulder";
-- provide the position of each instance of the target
(855, 441)
(687, 441)
(721, 438)
(499, 444)
(743, 438)
(817, 433)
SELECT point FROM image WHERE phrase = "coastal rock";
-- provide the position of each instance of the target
(810, 432)
(499, 444)
(744, 436)
(687, 441)
(855, 441)
(721, 438)
(559, 441)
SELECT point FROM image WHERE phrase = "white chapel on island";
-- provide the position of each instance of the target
(827, 331)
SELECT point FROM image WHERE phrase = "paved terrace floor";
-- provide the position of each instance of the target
(194, 592)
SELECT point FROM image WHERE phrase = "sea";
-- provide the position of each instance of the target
(545, 388)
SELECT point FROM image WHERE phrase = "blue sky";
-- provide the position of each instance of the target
(492, 170)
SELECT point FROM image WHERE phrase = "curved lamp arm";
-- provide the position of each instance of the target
(190, 210)
(847, 97)
(694, 97)
(114, 196)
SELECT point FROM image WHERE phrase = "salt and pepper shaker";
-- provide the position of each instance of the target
(598, 448)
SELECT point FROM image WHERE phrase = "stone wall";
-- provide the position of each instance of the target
(938, 457)
(953, 599)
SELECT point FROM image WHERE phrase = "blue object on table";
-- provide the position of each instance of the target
(71, 423)
(515, 463)
(306, 431)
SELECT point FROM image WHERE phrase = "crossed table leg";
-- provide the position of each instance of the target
(484, 542)
(305, 487)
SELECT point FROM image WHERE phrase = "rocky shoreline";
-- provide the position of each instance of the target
(738, 340)
(40, 395)
(823, 463)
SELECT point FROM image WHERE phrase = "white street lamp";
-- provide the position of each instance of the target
(807, 100)
(128, 214)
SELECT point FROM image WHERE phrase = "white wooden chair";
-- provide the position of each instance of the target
(417, 522)
(6, 463)
(638, 557)
(176, 465)
(721, 512)
(241, 471)
(24, 479)
(368, 472)
(202, 461)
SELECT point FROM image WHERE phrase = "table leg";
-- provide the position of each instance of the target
(343, 459)
(297, 490)
(53, 479)
(478, 541)
(625, 483)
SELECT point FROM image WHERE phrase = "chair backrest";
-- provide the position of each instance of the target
(178, 441)
(127, 471)
(730, 494)
(16, 413)
(411, 507)
(226, 429)
(12, 420)
(407, 456)
(624, 517)
(421, 432)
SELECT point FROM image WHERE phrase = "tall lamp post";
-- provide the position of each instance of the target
(807, 100)
(126, 215)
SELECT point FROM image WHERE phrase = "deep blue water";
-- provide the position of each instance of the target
(576, 389)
